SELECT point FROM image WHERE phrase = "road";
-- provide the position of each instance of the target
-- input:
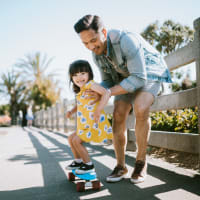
(32, 167)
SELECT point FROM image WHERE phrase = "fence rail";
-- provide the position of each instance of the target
(53, 118)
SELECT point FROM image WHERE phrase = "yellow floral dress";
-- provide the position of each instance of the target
(87, 129)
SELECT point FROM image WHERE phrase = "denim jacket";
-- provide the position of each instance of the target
(130, 62)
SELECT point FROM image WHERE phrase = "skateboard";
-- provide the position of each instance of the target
(85, 181)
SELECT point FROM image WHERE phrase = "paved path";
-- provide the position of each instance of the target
(32, 163)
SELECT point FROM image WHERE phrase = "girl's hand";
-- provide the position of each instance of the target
(90, 94)
(97, 116)
(68, 114)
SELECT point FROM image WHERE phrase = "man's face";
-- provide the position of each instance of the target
(95, 42)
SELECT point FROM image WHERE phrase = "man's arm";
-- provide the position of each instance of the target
(129, 85)
(117, 90)
(134, 55)
(105, 95)
(106, 82)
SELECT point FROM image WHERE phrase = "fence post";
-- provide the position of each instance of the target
(39, 118)
(36, 119)
(57, 116)
(65, 119)
(42, 118)
(49, 113)
(47, 118)
(197, 58)
(52, 120)
(54, 117)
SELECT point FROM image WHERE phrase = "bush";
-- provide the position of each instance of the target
(185, 120)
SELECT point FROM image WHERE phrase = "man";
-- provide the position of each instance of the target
(133, 71)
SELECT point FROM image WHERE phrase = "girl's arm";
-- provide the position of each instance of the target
(105, 95)
(72, 111)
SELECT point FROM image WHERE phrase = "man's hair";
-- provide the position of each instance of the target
(89, 22)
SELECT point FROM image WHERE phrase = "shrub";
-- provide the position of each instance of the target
(185, 120)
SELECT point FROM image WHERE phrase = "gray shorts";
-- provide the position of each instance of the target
(152, 87)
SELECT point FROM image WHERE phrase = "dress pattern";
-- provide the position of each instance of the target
(87, 129)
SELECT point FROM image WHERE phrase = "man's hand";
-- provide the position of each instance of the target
(90, 94)
(97, 116)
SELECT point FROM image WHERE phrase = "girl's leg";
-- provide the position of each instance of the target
(73, 147)
(82, 151)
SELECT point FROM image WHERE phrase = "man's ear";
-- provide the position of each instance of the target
(104, 31)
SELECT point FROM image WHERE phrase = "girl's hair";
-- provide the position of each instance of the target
(79, 66)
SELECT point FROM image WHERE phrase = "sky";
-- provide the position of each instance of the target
(46, 26)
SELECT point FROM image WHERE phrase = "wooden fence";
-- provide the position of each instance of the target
(54, 118)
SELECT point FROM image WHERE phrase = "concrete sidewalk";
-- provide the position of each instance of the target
(32, 163)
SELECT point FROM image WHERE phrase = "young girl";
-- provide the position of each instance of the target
(92, 122)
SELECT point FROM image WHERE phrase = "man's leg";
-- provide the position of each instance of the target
(120, 114)
(142, 104)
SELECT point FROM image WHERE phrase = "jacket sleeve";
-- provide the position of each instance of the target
(133, 54)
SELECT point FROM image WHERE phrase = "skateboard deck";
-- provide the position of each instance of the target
(85, 181)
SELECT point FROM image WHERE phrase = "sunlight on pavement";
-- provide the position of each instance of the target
(17, 175)
(176, 194)
(150, 181)
(100, 194)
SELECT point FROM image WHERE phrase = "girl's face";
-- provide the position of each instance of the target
(80, 78)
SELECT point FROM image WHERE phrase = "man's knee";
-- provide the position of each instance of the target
(118, 117)
(120, 113)
(141, 111)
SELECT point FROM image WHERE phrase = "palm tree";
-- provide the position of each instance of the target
(33, 69)
(14, 90)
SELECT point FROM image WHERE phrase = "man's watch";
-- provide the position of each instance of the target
(108, 89)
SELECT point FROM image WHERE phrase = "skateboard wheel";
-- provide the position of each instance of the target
(96, 185)
(71, 176)
(80, 187)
